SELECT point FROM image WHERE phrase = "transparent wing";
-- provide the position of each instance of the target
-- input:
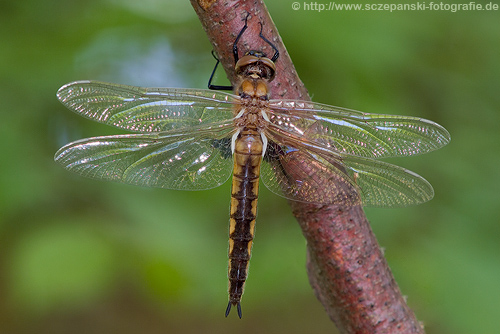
(175, 161)
(146, 109)
(302, 176)
(304, 171)
(357, 133)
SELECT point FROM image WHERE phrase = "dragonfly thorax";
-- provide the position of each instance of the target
(254, 70)
(251, 89)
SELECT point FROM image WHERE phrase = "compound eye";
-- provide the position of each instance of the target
(244, 61)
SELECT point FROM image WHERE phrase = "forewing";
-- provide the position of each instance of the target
(304, 171)
(146, 109)
(357, 133)
(180, 161)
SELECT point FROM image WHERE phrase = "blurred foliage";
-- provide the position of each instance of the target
(78, 255)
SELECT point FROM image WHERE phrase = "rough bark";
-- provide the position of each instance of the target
(346, 267)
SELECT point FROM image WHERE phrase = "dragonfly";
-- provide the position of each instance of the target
(196, 139)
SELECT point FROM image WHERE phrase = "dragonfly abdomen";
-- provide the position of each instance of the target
(247, 160)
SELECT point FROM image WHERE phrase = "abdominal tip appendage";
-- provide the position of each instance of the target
(238, 308)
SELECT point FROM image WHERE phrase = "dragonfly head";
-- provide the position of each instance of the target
(255, 64)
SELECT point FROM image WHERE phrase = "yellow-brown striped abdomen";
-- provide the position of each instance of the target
(245, 188)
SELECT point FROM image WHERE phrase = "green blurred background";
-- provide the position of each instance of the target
(82, 256)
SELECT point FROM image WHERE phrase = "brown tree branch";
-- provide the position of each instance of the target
(346, 267)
